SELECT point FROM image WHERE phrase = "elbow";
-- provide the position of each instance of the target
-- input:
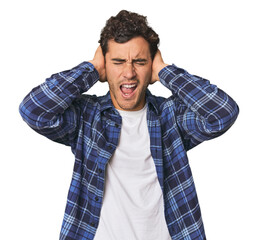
(23, 111)
(31, 114)
(26, 115)
(220, 121)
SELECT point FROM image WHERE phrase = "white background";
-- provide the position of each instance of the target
(213, 39)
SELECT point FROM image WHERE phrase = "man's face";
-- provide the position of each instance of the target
(128, 71)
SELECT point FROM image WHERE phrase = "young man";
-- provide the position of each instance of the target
(131, 176)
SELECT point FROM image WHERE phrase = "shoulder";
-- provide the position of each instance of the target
(92, 103)
(86, 99)
(162, 104)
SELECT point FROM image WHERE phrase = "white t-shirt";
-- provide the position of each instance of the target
(133, 207)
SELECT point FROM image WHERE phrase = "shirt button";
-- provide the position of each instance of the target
(92, 224)
(87, 69)
(96, 199)
(100, 170)
(116, 125)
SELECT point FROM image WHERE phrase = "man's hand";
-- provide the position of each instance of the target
(99, 63)
(157, 65)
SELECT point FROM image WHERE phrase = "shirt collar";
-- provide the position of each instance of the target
(152, 101)
(106, 102)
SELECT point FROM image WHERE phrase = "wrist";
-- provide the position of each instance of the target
(94, 64)
(101, 71)
(161, 66)
(156, 71)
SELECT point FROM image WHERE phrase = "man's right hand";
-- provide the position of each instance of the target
(99, 63)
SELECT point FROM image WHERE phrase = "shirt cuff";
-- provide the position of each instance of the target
(89, 75)
(169, 75)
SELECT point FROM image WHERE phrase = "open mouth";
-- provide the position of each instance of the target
(128, 90)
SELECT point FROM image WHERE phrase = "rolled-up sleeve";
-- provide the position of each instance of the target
(203, 111)
(53, 108)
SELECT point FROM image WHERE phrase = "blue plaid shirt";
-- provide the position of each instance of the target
(90, 125)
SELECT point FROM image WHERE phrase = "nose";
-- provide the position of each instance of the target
(129, 71)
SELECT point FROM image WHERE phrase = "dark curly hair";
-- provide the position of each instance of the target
(125, 26)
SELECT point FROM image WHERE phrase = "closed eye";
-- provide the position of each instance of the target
(140, 62)
(118, 61)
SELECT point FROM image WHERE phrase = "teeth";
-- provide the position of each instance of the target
(129, 86)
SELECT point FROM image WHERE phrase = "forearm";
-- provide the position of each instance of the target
(41, 107)
(213, 106)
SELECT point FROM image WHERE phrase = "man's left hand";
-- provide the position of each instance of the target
(157, 65)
